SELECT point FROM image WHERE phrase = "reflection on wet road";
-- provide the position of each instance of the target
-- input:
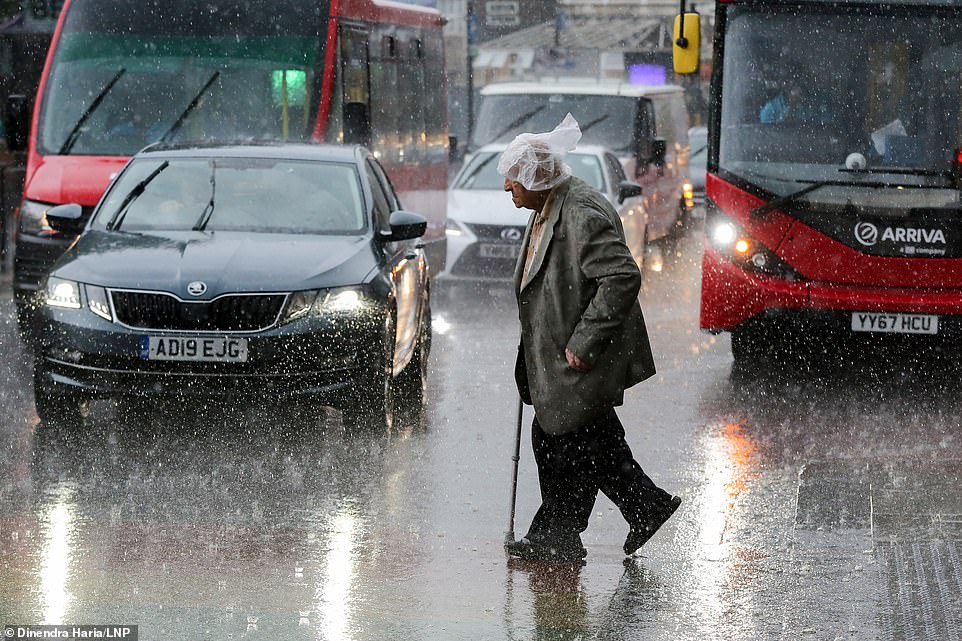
(820, 502)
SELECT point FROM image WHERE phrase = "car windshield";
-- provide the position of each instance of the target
(879, 91)
(604, 119)
(482, 171)
(225, 70)
(232, 194)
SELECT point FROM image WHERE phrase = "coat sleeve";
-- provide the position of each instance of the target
(605, 259)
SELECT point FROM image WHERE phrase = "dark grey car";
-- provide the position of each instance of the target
(279, 270)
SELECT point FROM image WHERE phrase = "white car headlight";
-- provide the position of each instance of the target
(452, 228)
(323, 302)
(339, 301)
(63, 293)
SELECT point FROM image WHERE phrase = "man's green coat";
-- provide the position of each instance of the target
(580, 293)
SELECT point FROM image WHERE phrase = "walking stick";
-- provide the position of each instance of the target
(509, 535)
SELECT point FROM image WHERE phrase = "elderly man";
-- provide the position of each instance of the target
(583, 342)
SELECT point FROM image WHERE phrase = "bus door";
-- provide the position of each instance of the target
(355, 89)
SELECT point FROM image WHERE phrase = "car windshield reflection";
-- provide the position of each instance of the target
(250, 195)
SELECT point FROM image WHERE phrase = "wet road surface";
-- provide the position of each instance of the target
(820, 502)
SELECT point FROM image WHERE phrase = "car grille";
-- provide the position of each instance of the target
(234, 313)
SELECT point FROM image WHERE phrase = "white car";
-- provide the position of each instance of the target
(485, 229)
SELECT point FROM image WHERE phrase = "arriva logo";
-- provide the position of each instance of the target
(868, 235)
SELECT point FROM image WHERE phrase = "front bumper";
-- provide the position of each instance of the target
(307, 357)
(465, 263)
(732, 297)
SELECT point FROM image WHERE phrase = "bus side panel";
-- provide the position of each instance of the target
(33, 157)
(730, 295)
(822, 258)
(63, 179)
(327, 89)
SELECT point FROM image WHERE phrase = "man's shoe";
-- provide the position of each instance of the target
(528, 550)
(638, 536)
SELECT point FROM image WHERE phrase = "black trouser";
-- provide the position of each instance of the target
(573, 467)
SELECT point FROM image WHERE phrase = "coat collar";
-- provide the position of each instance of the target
(552, 216)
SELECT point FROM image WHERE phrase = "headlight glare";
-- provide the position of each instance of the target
(738, 246)
(98, 302)
(339, 301)
(723, 234)
(63, 293)
(452, 228)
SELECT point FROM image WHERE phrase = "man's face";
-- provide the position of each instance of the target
(521, 197)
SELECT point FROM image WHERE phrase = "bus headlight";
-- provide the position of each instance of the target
(735, 244)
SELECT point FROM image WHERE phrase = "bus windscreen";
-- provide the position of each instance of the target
(874, 98)
(179, 70)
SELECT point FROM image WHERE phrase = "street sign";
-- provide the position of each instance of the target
(502, 13)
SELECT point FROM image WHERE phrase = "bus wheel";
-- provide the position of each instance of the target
(748, 347)
(752, 347)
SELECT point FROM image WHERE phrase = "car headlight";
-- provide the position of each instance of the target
(452, 228)
(98, 302)
(324, 302)
(298, 304)
(63, 293)
(339, 301)
(33, 219)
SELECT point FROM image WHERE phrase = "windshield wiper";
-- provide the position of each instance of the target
(114, 223)
(902, 171)
(193, 105)
(781, 201)
(593, 123)
(205, 215)
(520, 120)
(75, 132)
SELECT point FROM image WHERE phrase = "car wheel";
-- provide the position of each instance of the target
(56, 406)
(411, 389)
(371, 403)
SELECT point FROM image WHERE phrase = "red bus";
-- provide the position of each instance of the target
(122, 74)
(833, 185)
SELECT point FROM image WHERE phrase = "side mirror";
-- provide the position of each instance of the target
(687, 43)
(64, 217)
(16, 120)
(357, 124)
(628, 189)
(406, 225)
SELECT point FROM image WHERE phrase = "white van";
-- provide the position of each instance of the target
(645, 126)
